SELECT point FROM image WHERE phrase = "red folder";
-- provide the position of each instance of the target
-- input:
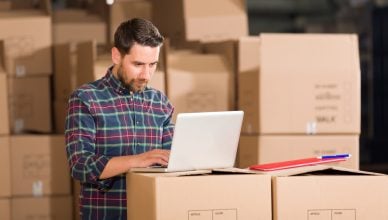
(294, 163)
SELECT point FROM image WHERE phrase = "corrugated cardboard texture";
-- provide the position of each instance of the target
(75, 25)
(5, 167)
(27, 42)
(5, 209)
(274, 148)
(229, 196)
(198, 82)
(4, 117)
(55, 207)
(306, 84)
(223, 19)
(39, 165)
(348, 197)
(29, 104)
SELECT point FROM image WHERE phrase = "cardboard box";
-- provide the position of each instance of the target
(29, 104)
(274, 148)
(301, 84)
(5, 5)
(5, 209)
(198, 82)
(5, 168)
(55, 207)
(60, 113)
(228, 49)
(170, 196)
(323, 193)
(91, 64)
(76, 197)
(39, 165)
(4, 116)
(27, 41)
(65, 66)
(201, 20)
(76, 25)
(122, 10)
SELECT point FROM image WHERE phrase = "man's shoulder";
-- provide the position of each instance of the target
(90, 89)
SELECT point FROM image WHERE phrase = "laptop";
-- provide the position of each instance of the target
(202, 141)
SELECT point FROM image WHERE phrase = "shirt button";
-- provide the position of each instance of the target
(137, 122)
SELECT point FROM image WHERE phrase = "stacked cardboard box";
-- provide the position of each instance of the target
(197, 82)
(295, 88)
(40, 178)
(222, 196)
(201, 20)
(5, 172)
(321, 192)
(26, 56)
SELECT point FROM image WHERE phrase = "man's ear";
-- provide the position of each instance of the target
(116, 56)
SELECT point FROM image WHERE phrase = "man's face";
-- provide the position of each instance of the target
(136, 68)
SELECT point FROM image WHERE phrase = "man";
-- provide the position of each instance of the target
(118, 122)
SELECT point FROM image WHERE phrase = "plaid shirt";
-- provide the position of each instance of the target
(105, 120)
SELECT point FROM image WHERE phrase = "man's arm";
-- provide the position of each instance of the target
(119, 165)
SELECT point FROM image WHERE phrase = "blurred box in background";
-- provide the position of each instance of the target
(5, 209)
(122, 10)
(39, 165)
(197, 82)
(301, 84)
(4, 115)
(77, 25)
(65, 70)
(5, 167)
(27, 39)
(30, 104)
(53, 207)
(261, 149)
(200, 20)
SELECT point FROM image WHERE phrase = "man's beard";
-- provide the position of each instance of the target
(131, 84)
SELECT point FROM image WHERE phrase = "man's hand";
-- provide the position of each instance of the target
(156, 156)
(119, 165)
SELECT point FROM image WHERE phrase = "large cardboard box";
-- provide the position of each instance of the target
(4, 116)
(198, 82)
(5, 209)
(201, 20)
(27, 40)
(39, 165)
(274, 148)
(122, 10)
(65, 66)
(300, 84)
(91, 64)
(77, 25)
(228, 49)
(5, 167)
(29, 104)
(322, 193)
(170, 196)
(53, 207)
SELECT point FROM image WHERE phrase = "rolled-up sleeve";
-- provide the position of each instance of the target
(85, 164)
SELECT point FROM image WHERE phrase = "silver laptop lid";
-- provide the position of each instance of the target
(205, 140)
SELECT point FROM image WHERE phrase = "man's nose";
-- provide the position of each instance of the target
(145, 73)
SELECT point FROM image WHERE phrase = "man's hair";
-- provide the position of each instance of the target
(138, 31)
